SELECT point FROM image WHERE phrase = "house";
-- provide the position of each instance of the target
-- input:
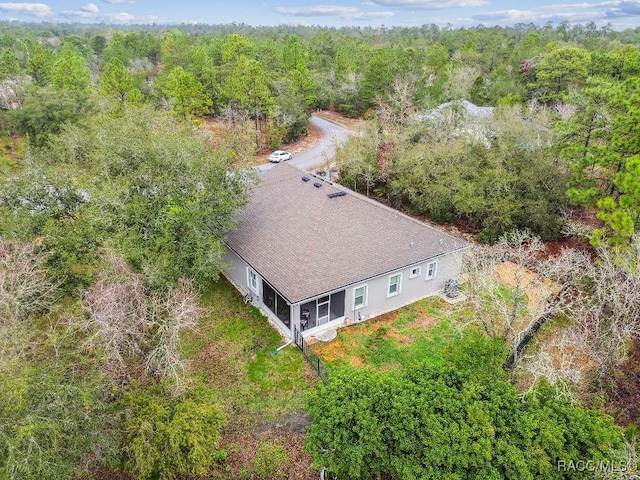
(314, 255)
(463, 118)
(465, 109)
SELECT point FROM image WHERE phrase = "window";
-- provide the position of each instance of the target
(394, 285)
(415, 272)
(278, 305)
(252, 280)
(359, 297)
(431, 270)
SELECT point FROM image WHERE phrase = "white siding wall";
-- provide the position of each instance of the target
(236, 270)
(411, 289)
(378, 301)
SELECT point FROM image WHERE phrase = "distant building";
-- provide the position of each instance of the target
(463, 118)
(463, 108)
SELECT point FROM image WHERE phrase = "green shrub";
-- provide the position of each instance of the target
(166, 437)
(445, 422)
(270, 461)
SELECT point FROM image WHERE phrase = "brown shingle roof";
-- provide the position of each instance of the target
(305, 243)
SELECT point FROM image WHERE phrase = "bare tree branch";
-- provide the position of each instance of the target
(176, 312)
(24, 286)
(513, 291)
(599, 292)
(132, 325)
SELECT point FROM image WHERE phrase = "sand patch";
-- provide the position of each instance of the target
(356, 362)
(400, 337)
(538, 290)
(423, 322)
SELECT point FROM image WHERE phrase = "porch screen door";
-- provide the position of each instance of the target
(323, 310)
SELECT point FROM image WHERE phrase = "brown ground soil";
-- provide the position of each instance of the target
(535, 288)
(100, 474)
(353, 124)
(356, 362)
(401, 338)
(336, 349)
(9, 147)
(241, 446)
(350, 336)
(554, 247)
(624, 392)
(423, 322)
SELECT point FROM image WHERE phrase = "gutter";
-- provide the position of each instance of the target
(337, 289)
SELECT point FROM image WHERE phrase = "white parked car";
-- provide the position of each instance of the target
(280, 155)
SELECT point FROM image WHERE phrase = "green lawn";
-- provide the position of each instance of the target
(232, 351)
(262, 394)
(421, 332)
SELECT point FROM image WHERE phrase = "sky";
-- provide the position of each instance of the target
(619, 14)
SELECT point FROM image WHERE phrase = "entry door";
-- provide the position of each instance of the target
(323, 310)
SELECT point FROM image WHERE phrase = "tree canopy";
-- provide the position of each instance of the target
(142, 181)
(447, 422)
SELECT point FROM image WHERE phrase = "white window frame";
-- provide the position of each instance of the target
(435, 270)
(398, 285)
(365, 296)
(251, 274)
(417, 271)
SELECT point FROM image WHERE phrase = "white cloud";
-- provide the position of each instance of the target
(38, 10)
(119, 17)
(318, 10)
(623, 9)
(91, 12)
(345, 13)
(527, 16)
(429, 4)
(90, 7)
(598, 12)
(368, 15)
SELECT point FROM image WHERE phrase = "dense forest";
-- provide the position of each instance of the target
(125, 155)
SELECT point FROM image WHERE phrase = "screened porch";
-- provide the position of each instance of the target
(322, 310)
